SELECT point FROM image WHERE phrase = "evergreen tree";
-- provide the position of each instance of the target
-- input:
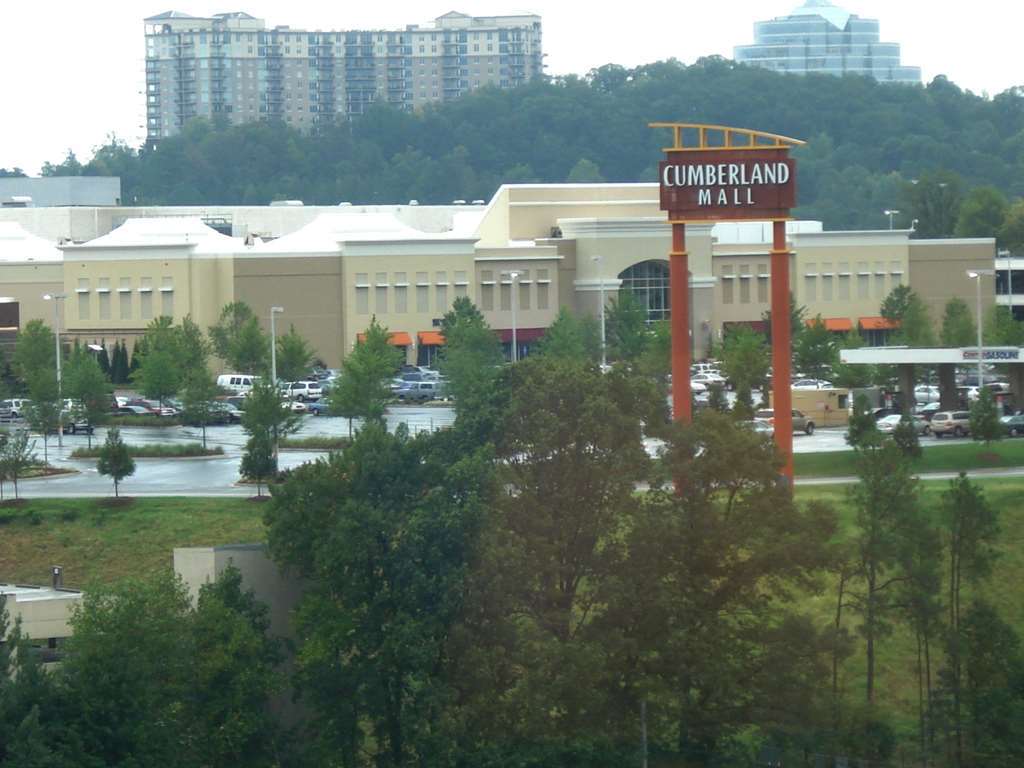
(985, 423)
(103, 359)
(958, 329)
(626, 329)
(862, 431)
(294, 356)
(115, 461)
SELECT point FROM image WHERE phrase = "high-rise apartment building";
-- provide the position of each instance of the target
(821, 37)
(231, 65)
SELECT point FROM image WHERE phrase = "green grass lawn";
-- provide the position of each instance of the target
(98, 543)
(937, 458)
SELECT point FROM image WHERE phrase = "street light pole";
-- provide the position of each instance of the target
(1009, 275)
(274, 311)
(513, 275)
(56, 298)
(976, 275)
(890, 213)
(599, 260)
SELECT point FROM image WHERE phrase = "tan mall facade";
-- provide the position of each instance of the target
(334, 268)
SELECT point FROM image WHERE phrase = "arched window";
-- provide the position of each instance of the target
(648, 281)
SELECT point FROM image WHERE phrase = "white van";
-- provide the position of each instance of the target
(236, 383)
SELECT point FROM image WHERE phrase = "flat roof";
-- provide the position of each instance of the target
(24, 593)
(929, 355)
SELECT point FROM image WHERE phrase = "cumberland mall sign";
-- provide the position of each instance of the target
(749, 175)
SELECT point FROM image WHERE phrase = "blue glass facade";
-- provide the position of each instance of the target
(821, 37)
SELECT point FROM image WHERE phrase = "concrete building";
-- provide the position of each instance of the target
(50, 191)
(335, 268)
(232, 66)
(823, 38)
(44, 612)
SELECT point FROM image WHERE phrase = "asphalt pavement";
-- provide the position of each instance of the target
(218, 475)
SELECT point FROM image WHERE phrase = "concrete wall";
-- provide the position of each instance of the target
(44, 612)
(310, 290)
(938, 273)
(63, 190)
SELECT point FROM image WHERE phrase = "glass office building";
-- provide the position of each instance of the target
(821, 37)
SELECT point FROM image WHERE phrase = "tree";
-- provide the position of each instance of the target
(192, 350)
(585, 172)
(815, 350)
(916, 328)
(958, 329)
(198, 400)
(717, 400)
(1001, 329)
(571, 337)
(861, 430)
(1011, 234)
(43, 411)
(103, 360)
(985, 424)
(34, 353)
(746, 360)
(471, 360)
(796, 322)
(362, 391)
(906, 439)
(971, 527)
(884, 499)
(935, 201)
(17, 454)
(626, 329)
(238, 339)
(266, 420)
(894, 305)
(85, 383)
(115, 461)
(848, 375)
(294, 356)
(380, 532)
(982, 213)
(159, 375)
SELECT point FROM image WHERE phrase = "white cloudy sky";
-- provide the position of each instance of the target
(72, 72)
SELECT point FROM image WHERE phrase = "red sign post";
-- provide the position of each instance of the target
(713, 173)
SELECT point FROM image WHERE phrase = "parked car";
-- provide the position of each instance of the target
(421, 391)
(889, 423)
(926, 393)
(75, 426)
(926, 412)
(236, 383)
(302, 390)
(318, 408)
(956, 423)
(697, 387)
(1014, 424)
(812, 384)
(133, 410)
(800, 421)
(709, 379)
(221, 412)
(13, 408)
(760, 426)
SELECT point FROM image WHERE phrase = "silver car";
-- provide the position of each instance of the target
(888, 424)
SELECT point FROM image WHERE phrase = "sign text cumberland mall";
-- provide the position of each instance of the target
(727, 184)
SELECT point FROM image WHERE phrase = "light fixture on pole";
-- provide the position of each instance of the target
(599, 260)
(1005, 253)
(56, 299)
(890, 212)
(274, 311)
(976, 275)
(513, 275)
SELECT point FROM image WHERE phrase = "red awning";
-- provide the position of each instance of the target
(878, 324)
(395, 338)
(523, 335)
(838, 324)
(430, 338)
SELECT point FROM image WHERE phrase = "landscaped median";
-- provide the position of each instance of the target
(155, 451)
(315, 443)
(938, 458)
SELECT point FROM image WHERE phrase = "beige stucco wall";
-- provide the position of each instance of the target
(741, 293)
(431, 268)
(535, 209)
(864, 268)
(310, 290)
(938, 273)
(26, 283)
(539, 267)
(44, 618)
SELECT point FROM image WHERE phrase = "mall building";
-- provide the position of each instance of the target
(522, 256)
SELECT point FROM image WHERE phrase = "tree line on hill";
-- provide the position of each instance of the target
(500, 594)
(871, 147)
